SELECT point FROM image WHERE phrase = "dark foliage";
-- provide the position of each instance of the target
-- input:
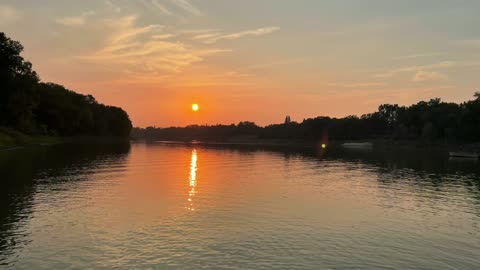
(33, 107)
(428, 121)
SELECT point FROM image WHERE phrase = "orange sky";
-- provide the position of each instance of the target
(250, 60)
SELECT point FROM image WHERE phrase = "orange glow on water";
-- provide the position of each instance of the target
(192, 180)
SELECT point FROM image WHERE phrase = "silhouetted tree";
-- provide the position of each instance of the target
(33, 107)
(18, 80)
(427, 121)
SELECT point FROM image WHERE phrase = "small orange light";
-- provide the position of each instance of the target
(324, 146)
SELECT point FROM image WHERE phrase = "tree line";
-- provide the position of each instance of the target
(34, 107)
(429, 121)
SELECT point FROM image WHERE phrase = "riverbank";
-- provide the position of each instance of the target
(10, 138)
(376, 143)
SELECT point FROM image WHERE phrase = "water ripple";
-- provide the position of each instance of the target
(185, 207)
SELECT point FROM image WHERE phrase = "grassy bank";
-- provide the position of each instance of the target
(11, 138)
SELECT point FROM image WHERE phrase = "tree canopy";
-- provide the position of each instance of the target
(432, 120)
(34, 107)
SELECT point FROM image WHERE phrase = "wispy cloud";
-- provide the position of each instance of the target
(8, 14)
(424, 75)
(185, 5)
(75, 20)
(440, 65)
(198, 31)
(144, 50)
(163, 36)
(239, 74)
(279, 63)
(256, 32)
(414, 56)
(206, 36)
(356, 84)
(214, 37)
(162, 8)
(165, 8)
(113, 6)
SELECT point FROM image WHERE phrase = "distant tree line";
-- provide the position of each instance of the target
(196, 132)
(432, 120)
(34, 107)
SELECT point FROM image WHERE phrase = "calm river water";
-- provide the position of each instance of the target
(171, 206)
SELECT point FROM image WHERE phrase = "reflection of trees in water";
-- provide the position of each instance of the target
(421, 171)
(430, 170)
(431, 161)
(430, 167)
(20, 170)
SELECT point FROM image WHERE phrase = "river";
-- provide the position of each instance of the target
(175, 206)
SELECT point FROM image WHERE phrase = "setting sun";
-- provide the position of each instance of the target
(195, 107)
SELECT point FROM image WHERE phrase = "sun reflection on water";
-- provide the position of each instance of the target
(192, 180)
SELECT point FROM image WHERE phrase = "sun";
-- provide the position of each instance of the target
(195, 107)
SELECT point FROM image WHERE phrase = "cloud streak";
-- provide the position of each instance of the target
(423, 75)
(356, 84)
(440, 65)
(185, 5)
(415, 56)
(213, 37)
(144, 50)
(74, 21)
(113, 6)
(162, 8)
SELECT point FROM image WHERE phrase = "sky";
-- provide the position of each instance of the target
(251, 60)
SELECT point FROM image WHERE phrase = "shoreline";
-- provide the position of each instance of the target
(376, 143)
(11, 139)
